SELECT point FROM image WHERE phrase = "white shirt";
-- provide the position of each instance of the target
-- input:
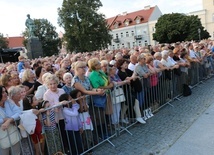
(131, 66)
(192, 54)
(172, 61)
(166, 63)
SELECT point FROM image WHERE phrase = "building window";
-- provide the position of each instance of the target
(127, 23)
(137, 21)
(127, 34)
(118, 46)
(132, 33)
(146, 44)
(139, 43)
(153, 29)
(133, 44)
(121, 35)
(116, 35)
(123, 45)
(115, 25)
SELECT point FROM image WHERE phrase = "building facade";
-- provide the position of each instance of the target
(133, 29)
(206, 16)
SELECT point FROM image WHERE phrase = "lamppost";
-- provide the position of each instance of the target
(199, 34)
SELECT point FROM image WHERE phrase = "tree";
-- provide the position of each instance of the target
(85, 29)
(48, 36)
(178, 27)
(3, 42)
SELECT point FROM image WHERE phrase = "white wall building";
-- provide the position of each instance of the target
(133, 29)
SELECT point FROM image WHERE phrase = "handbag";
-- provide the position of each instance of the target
(118, 95)
(99, 101)
(8, 137)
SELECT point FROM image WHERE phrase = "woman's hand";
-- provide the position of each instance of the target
(100, 91)
(6, 124)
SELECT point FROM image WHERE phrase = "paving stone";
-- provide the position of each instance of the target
(161, 131)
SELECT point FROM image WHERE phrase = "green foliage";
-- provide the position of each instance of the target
(85, 29)
(178, 27)
(48, 36)
(3, 41)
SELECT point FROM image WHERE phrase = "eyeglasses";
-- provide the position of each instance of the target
(83, 67)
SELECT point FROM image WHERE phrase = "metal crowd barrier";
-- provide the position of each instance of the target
(123, 104)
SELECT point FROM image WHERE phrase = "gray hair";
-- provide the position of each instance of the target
(13, 90)
(67, 74)
(141, 56)
(157, 54)
(164, 53)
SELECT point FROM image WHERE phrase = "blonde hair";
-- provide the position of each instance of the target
(5, 78)
(79, 64)
(104, 62)
(51, 77)
(92, 63)
(26, 75)
(44, 76)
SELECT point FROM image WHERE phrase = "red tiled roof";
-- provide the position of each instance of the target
(110, 21)
(15, 42)
(145, 14)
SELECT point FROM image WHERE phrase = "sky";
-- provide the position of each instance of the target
(13, 12)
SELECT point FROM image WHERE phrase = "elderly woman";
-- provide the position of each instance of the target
(81, 82)
(144, 72)
(9, 112)
(15, 78)
(100, 80)
(168, 74)
(6, 80)
(28, 80)
(14, 94)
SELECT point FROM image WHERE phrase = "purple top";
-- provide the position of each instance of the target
(72, 118)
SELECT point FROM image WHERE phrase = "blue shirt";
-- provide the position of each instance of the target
(20, 66)
(67, 89)
(85, 83)
(10, 110)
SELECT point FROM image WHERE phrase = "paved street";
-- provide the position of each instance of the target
(172, 129)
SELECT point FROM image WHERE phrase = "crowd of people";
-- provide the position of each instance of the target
(68, 102)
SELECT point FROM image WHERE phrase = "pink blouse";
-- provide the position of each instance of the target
(53, 98)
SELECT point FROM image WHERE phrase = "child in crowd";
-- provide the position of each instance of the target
(30, 102)
(73, 125)
(52, 133)
(67, 78)
(87, 135)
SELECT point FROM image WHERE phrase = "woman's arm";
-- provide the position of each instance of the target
(29, 90)
(78, 86)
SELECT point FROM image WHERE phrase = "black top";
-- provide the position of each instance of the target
(36, 85)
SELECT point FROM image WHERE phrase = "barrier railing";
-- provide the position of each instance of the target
(91, 121)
